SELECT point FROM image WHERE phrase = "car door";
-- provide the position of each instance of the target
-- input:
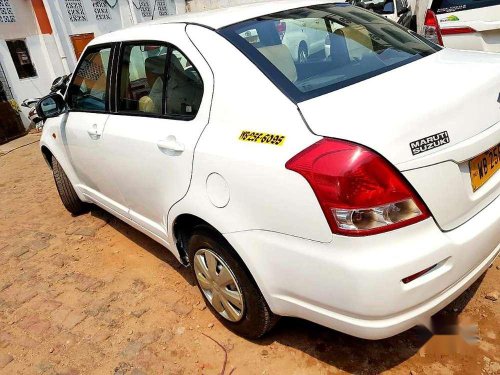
(88, 100)
(162, 106)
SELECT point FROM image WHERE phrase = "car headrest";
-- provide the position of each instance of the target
(155, 67)
(358, 34)
(279, 55)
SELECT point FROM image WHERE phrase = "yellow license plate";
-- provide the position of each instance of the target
(484, 166)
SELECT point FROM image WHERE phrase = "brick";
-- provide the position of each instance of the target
(38, 245)
(132, 349)
(5, 285)
(182, 309)
(5, 359)
(73, 319)
(25, 296)
(85, 231)
(59, 315)
(20, 251)
(101, 336)
(139, 313)
(47, 306)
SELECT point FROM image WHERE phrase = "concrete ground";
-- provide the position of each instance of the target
(91, 295)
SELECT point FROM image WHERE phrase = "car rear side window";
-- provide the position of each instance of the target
(313, 50)
(184, 87)
(89, 87)
(142, 78)
(448, 6)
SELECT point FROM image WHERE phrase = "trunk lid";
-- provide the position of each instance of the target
(456, 92)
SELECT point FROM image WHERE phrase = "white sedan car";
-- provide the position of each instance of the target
(462, 24)
(310, 190)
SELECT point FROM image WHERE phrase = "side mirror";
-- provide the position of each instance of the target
(60, 84)
(51, 105)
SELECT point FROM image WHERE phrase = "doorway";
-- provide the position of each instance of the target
(80, 41)
(11, 125)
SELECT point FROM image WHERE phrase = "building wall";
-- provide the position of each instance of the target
(201, 5)
(50, 46)
(41, 49)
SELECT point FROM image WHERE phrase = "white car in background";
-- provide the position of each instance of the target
(303, 38)
(463, 24)
(305, 189)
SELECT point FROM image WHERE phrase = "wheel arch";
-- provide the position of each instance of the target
(47, 155)
(185, 224)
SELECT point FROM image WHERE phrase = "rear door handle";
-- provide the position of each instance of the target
(93, 132)
(170, 144)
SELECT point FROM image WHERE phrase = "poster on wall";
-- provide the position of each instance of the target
(145, 8)
(6, 12)
(162, 7)
(101, 10)
(75, 10)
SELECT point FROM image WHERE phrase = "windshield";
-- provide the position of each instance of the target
(310, 51)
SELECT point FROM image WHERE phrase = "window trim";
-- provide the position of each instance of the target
(170, 47)
(88, 50)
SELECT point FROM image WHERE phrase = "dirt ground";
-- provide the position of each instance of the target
(91, 295)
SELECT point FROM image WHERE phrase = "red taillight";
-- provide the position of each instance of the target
(431, 28)
(457, 30)
(359, 192)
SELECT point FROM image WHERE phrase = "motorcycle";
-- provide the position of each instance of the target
(60, 84)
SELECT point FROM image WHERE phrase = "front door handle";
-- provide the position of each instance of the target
(171, 145)
(94, 133)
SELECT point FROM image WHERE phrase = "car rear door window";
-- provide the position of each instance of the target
(89, 87)
(142, 78)
(448, 6)
(184, 88)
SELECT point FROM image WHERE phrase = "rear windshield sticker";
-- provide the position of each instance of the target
(428, 143)
(258, 137)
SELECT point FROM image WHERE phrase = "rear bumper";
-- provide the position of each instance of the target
(354, 285)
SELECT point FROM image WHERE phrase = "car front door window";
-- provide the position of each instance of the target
(88, 89)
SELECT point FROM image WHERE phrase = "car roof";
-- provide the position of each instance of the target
(218, 18)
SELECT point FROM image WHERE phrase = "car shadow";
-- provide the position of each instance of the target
(145, 242)
(348, 353)
(360, 356)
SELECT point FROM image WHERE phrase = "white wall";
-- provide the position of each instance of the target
(51, 61)
(200, 5)
(39, 47)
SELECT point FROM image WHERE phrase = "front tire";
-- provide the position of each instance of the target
(227, 287)
(66, 190)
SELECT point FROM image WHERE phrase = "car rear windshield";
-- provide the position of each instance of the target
(313, 50)
(448, 6)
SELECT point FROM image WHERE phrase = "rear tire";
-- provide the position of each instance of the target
(66, 191)
(255, 318)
